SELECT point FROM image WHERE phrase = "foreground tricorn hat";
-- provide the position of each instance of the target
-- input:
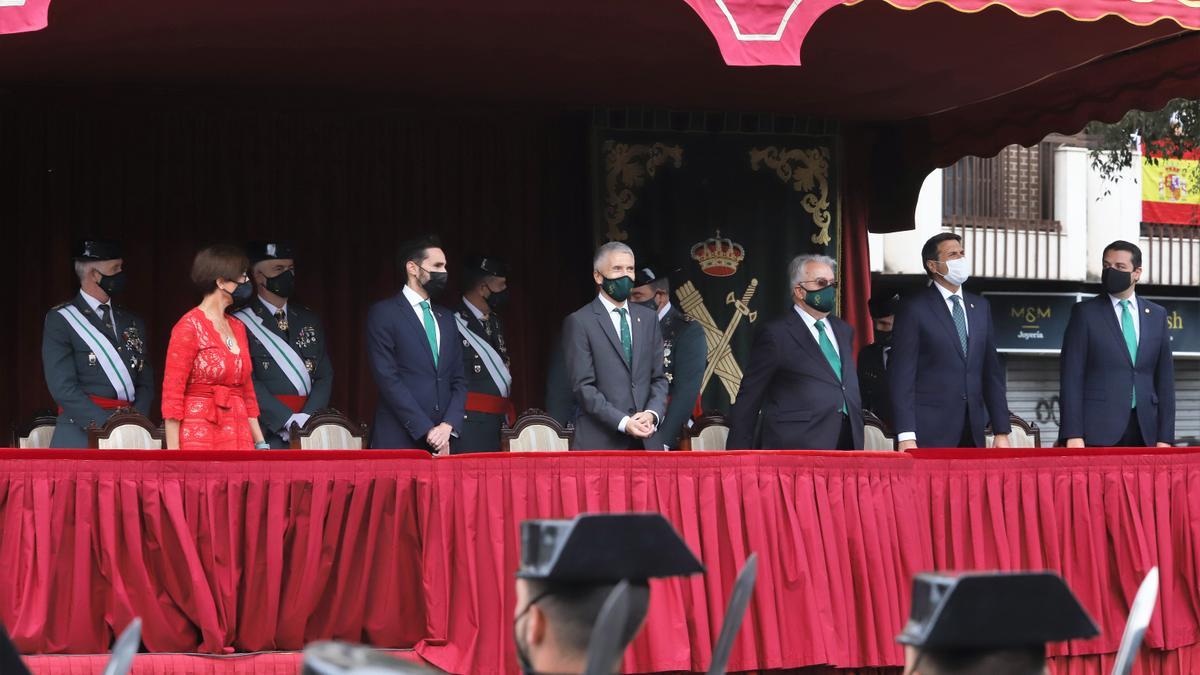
(993, 611)
(604, 548)
(259, 251)
(96, 250)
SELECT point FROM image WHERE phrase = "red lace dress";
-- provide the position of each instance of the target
(207, 387)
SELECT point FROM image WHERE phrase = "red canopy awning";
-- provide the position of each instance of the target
(771, 32)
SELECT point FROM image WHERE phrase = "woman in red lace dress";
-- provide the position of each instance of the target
(208, 400)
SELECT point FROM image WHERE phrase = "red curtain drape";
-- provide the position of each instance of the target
(254, 553)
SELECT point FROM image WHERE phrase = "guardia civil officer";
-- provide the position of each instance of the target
(485, 354)
(293, 376)
(95, 354)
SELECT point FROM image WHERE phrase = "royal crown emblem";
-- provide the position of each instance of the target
(718, 256)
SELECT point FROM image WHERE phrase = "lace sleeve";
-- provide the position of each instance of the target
(181, 355)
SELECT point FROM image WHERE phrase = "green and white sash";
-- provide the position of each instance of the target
(106, 353)
(288, 360)
(491, 359)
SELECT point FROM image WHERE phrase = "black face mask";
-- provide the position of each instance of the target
(436, 283)
(497, 299)
(1115, 281)
(112, 284)
(651, 304)
(241, 295)
(883, 337)
(281, 284)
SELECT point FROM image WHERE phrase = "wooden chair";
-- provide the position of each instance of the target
(535, 431)
(876, 435)
(37, 432)
(709, 433)
(1024, 434)
(328, 429)
(127, 429)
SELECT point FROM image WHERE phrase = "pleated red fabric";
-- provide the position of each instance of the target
(269, 551)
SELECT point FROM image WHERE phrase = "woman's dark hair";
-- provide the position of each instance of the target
(220, 261)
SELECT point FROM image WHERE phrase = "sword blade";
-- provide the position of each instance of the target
(739, 600)
(1140, 613)
(604, 647)
(125, 648)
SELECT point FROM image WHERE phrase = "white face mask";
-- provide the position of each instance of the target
(958, 271)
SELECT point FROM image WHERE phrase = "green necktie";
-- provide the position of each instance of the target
(430, 330)
(626, 336)
(960, 323)
(1130, 339)
(830, 353)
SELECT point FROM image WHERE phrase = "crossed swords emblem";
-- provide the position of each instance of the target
(720, 355)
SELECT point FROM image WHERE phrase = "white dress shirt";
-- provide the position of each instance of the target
(272, 309)
(416, 300)
(474, 310)
(663, 312)
(812, 322)
(95, 303)
(1133, 311)
(616, 319)
(950, 303)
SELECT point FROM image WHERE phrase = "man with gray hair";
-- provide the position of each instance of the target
(801, 374)
(94, 353)
(614, 358)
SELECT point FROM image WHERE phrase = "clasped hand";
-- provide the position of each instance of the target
(438, 438)
(640, 425)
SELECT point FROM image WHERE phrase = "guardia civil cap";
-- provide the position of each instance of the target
(96, 250)
(259, 251)
(604, 548)
(993, 611)
(883, 305)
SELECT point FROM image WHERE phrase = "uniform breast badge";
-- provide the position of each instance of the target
(310, 365)
(478, 369)
(306, 337)
(133, 339)
(92, 359)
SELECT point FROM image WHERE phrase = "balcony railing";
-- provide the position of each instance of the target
(1170, 254)
(1003, 208)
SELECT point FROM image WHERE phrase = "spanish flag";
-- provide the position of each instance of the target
(1171, 189)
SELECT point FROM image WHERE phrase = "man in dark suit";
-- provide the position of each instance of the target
(485, 354)
(801, 374)
(416, 358)
(614, 357)
(94, 353)
(1117, 376)
(944, 373)
(873, 359)
(293, 376)
(684, 353)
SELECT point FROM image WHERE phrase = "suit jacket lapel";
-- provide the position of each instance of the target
(802, 335)
(1110, 318)
(842, 333)
(408, 316)
(606, 325)
(1145, 324)
(975, 322)
(941, 310)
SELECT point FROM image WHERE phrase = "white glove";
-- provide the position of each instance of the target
(299, 419)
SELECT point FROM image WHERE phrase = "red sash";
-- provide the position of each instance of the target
(105, 403)
(292, 401)
(495, 405)
(222, 396)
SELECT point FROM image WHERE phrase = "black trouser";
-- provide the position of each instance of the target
(846, 436)
(1132, 438)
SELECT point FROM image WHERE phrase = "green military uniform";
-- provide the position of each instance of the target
(299, 327)
(685, 353)
(481, 429)
(872, 364)
(76, 372)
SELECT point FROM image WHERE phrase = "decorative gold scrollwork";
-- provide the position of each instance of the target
(627, 167)
(808, 172)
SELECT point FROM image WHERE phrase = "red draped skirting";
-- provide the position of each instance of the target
(259, 552)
